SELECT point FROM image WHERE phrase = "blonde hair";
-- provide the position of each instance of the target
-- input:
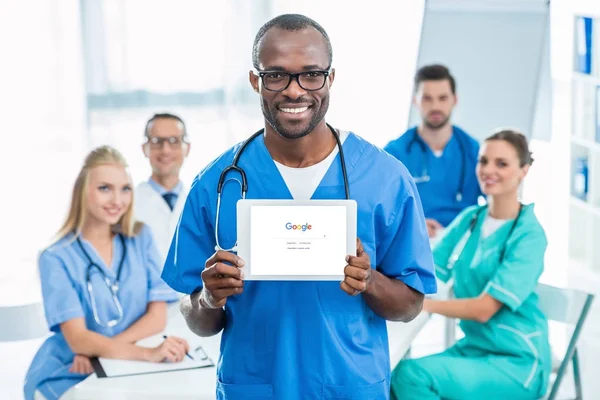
(104, 155)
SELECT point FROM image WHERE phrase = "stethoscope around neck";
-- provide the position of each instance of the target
(475, 218)
(458, 249)
(244, 181)
(424, 176)
(112, 286)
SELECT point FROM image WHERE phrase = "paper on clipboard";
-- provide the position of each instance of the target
(112, 368)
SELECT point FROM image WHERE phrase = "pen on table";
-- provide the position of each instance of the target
(187, 354)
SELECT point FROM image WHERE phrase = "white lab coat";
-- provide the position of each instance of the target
(153, 210)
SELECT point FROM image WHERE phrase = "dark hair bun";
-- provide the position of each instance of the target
(518, 141)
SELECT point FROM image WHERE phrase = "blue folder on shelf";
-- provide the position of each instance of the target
(583, 45)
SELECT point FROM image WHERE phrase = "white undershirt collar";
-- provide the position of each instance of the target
(302, 182)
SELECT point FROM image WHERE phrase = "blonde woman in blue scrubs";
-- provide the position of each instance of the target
(495, 255)
(100, 246)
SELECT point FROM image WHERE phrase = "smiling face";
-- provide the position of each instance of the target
(499, 169)
(293, 112)
(109, 194)
(166, 159)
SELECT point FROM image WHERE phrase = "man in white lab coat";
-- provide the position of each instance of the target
(160, 200)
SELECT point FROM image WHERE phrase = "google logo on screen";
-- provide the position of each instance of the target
(291, 227)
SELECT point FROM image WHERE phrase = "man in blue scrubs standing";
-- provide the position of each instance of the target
(302, 339)
(440, 156)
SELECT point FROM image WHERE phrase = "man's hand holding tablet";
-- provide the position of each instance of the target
(357, 272)
(222, 277)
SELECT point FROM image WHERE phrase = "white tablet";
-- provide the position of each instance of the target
(295, 239)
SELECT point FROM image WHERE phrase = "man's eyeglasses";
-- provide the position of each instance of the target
(157, 142)
(278, 81)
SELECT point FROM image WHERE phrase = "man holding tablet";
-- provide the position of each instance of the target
(289, 330)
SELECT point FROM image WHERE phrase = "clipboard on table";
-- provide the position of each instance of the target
(113, 368)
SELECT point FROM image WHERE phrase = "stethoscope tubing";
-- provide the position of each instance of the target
(244, 181)
(113, 286)
(424, 177)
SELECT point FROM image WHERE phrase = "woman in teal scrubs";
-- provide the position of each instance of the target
(495, 255)
(100, 247)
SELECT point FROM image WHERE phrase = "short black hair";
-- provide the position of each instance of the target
(164, 116)
(434, 72)
(289, 22)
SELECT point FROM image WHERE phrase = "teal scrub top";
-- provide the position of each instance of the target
(518, 332)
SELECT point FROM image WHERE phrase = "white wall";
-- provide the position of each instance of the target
(495, 56)
(374, 53)
(43, 144)
(43, 134)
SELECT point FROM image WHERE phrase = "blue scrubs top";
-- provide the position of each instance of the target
(439, 193)
(306, 339)
(63, 269)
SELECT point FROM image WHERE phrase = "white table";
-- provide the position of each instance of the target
(200, 384)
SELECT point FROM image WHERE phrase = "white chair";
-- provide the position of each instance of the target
(569, 307)
(22, 322)
(566, 306)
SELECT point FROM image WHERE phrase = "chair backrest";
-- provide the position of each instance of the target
(23, 322)
(571, 307)
(568, 306)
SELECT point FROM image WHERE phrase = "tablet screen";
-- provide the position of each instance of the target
(298, 240)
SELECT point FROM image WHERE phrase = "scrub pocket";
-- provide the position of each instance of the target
(233, 391)
(375, 391)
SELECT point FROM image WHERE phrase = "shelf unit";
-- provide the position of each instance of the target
(584, 212)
